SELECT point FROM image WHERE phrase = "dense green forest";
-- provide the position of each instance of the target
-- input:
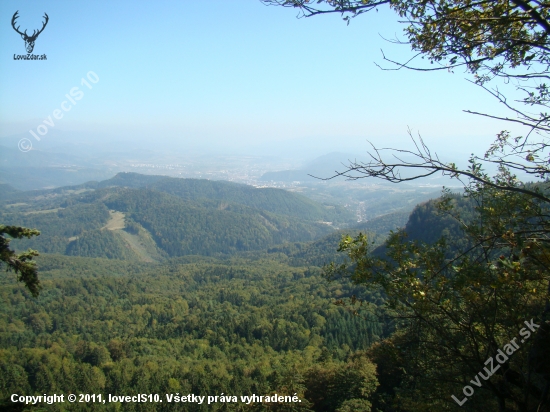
(145, 291)
(125, 308)
(199, 190)
(166, 217)
(197, 326)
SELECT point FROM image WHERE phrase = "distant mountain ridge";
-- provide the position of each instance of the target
(134, 216)
(269, 199)
(320, 168)
(161, 217)
(200, 190)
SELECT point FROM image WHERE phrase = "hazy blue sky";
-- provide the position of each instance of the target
(223, 70)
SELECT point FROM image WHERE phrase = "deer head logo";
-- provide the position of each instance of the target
(29, 40)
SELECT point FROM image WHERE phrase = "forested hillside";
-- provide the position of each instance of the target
(152, 217)
(202, 326)
(412, 274)
(272, 200)
(190, 293)
(263, 321)
(199, 190)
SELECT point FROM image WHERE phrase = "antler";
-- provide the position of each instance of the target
(34, 34)
(15, 16)
(43, 27)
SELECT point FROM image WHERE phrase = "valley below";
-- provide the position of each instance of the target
(161, 284)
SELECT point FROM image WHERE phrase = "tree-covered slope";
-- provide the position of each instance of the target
(269, 199)
(81, 223)
(58, 226)
(428, 223)
(183, 227)
(192, 325)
